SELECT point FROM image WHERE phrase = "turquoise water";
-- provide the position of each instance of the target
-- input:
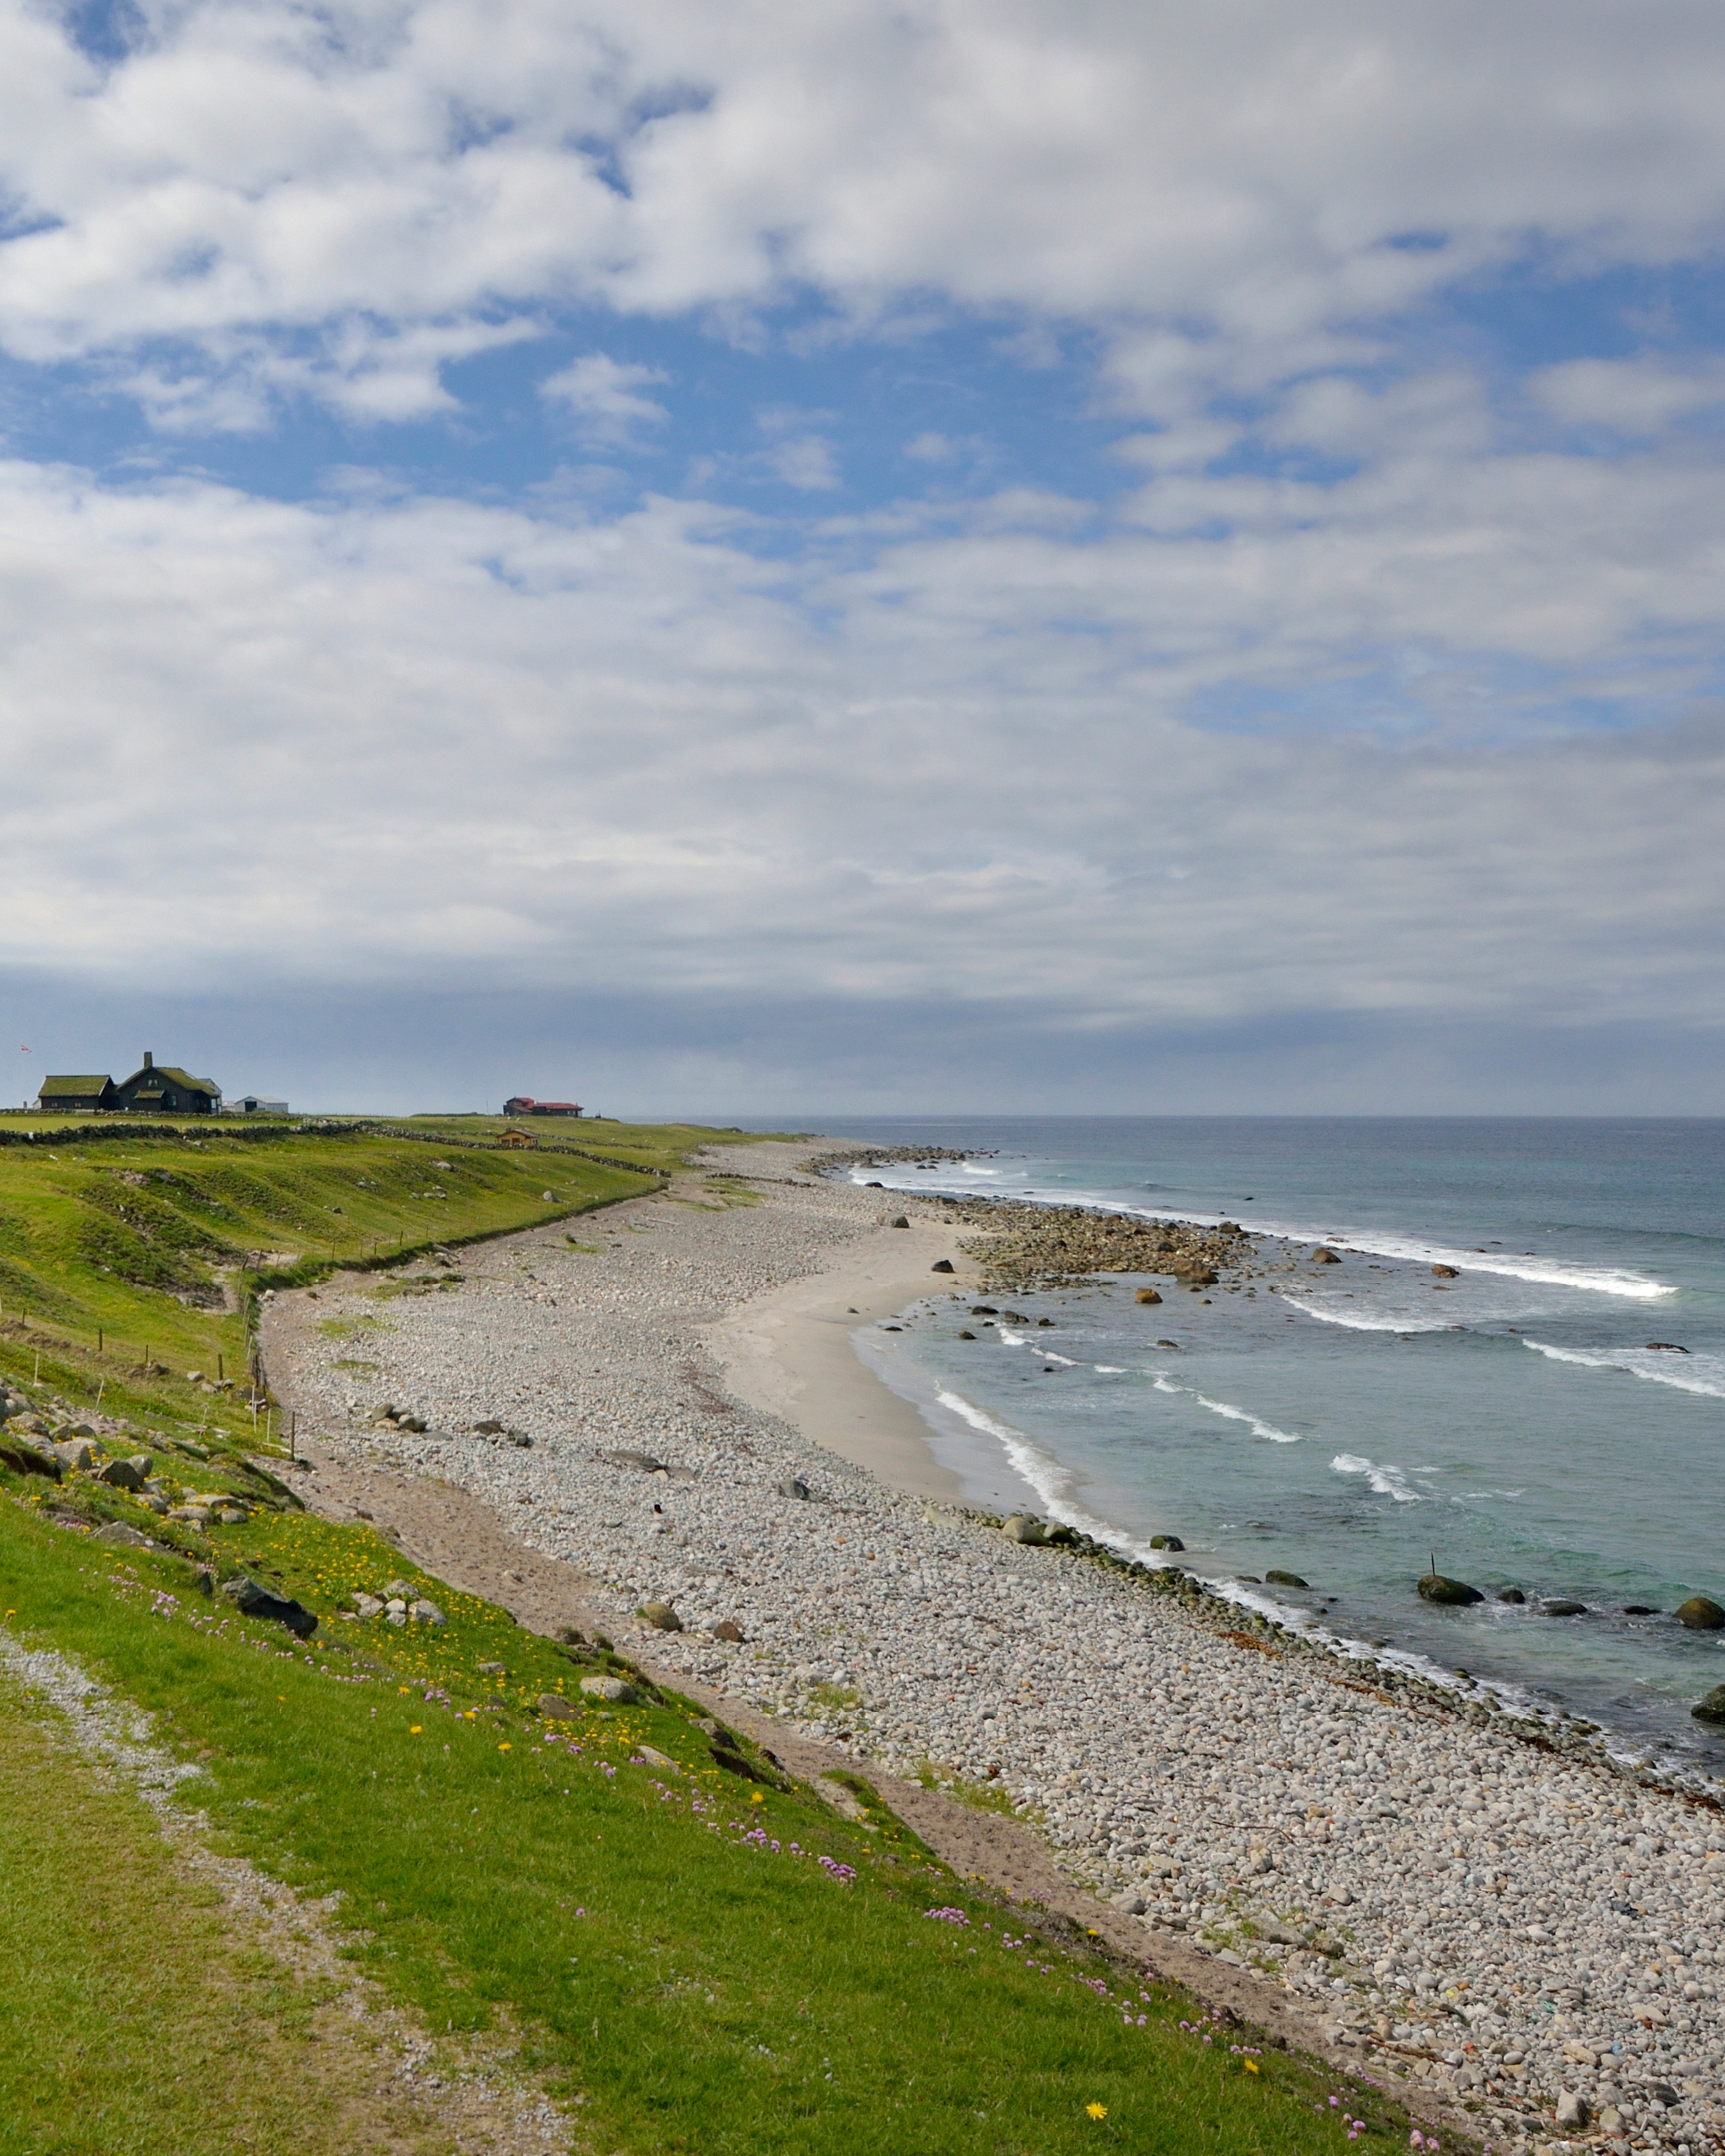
(1517, 1423)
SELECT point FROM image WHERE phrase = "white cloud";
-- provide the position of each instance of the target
(605, 396)
(1255, 180)
(1638, 396)
(397, 739)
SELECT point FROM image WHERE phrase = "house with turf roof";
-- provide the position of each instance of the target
(162, 1089)
(75, 1096)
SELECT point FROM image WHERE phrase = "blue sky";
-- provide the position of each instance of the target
(1091, 558)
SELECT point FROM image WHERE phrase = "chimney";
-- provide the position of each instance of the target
(148, 1060)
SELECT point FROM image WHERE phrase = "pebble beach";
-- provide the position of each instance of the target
(1524, 1928)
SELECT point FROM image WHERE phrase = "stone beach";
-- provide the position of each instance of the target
(1528, 1931)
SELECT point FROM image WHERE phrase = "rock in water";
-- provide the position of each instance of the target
(661, 1616)
(1167, 1542)
(1275, 1578)
(611, 1688)
(1713, 1707)
(253, 1599)
(1435, 1587)
(1512, 1595)
(1564, 1608)
(941, 1266)
(1021, 1528)
(1700, 1614)
(1147, 1295)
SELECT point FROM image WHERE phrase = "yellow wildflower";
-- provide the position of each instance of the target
(505, 1748)
(1096, 2110)
(1251, 2066)
(416, 1730)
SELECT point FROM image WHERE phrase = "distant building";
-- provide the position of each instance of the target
(75, 1096)
(517, 1140)
(254, 1104)
(163, 1089)
(524, 1104)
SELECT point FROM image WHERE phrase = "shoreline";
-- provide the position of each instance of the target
(1438, 1892)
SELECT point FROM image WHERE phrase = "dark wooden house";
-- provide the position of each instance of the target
(75, 1096)
(162, 1089)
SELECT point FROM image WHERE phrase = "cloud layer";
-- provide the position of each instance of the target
(1288, 608)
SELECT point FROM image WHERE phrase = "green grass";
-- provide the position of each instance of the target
(667, 1943)
(127, 1255)
(133, 2020)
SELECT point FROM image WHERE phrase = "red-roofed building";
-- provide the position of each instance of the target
(524, 1104)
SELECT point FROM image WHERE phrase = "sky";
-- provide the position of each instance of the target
(985, 555)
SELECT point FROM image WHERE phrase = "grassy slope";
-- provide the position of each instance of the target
(121, 1233)
(696, 1990)
(133, 2019)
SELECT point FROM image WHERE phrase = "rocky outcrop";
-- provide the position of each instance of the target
(1700, 1613)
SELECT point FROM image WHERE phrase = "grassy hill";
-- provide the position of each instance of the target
(698, 1955)
(128, 1253)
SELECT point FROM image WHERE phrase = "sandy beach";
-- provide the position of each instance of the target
(1517, 1932)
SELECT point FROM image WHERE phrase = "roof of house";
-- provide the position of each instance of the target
(170, 1074)
(75, 1085)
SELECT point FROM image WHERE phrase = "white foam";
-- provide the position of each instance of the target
(1380, 1242)
(1044, 1474)
(1387, 1480)
(1688, 1373)
(1259, 1427)
(1357, 1321)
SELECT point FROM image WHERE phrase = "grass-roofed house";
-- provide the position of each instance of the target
(75, 1096)
(162, 1089)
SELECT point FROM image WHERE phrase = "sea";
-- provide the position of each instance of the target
(1550, 1420)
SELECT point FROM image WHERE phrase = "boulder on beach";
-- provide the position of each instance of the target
(898, 1220)
(660, 1616)
(1324, 1255)
(1713, 1707)
(1700, 1614)
(1446, 1272)
(727, 1630)
(1021, 1527)
(941, 1266)
(1147, 1295)
(794, 1486)
(1274, 1578)
(1435, 1587)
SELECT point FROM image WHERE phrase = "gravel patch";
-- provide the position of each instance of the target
(1532, 1938)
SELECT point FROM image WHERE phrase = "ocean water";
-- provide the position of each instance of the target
(1516, 1424)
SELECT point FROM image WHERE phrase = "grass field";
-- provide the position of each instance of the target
(697, 1961)
(128, 1254)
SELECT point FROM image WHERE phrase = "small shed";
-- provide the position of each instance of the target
(514, 1141)
(75, 1096)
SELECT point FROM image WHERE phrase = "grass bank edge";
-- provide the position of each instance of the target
(288, 1783)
